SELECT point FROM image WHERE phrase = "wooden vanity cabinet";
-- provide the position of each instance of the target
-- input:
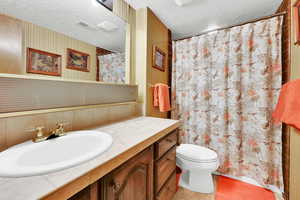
(131, 181)
(82, 195)
(150, 175)
(165, 167)
(88, 193)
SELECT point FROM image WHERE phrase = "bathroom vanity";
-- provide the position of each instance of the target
(149, 175)
(140, 164)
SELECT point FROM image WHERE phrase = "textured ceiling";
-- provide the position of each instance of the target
(203, 15)
(63, 15)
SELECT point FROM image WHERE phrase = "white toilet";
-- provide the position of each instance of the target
(197, 164)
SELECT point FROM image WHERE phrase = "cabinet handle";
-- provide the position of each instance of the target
(169, 159)
(116, 186)
(169, 140)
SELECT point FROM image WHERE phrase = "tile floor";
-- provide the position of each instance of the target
(184, 194)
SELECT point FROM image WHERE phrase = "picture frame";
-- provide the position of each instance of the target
(296, 16)
(42, 62)
(77, 60)
(159, 59)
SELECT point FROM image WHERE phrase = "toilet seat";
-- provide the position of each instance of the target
(195, 153)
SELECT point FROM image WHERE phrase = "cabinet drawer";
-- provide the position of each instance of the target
(165, 144)
(169, 189)
(164, 168)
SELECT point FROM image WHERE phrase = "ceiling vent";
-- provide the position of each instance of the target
(182, 2)
(86, 26)
(107, 26)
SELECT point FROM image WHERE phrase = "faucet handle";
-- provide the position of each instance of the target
(39, 135)
(60, 131)
(40, 130)
(62, 124)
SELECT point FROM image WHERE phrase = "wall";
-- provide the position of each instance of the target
(13, 130)
(294, 134)
(21, 93)
(141, 58)
(150, 31)
(44, 39)
(122, 9)
(157, 36)
(10, 45)
(25, 34)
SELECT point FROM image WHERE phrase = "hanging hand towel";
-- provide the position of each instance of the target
(161, 97)
(288, 107)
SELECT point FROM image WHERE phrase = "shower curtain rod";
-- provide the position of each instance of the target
(241, 24)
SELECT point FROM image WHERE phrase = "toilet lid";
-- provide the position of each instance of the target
(196, 153)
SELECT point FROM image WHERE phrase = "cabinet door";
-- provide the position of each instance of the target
(132, 181)
(89, 193)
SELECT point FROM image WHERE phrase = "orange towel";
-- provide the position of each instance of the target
(161, 97)
(288, 107)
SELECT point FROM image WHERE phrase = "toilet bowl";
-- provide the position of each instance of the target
(197, 164)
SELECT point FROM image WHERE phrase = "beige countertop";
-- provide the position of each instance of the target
(129, 138)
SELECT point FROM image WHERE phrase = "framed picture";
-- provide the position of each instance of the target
(297, 21)
(77, 60)
(42, 62)
(159, 59)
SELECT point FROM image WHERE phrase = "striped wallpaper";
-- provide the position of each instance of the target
(44, 39)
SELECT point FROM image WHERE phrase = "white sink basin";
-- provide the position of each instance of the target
(30, 159)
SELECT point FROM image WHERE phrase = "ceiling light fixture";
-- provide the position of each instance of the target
(182, 2)
(107, 26)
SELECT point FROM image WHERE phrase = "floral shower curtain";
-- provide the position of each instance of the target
(112, 68)
(225, 85)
